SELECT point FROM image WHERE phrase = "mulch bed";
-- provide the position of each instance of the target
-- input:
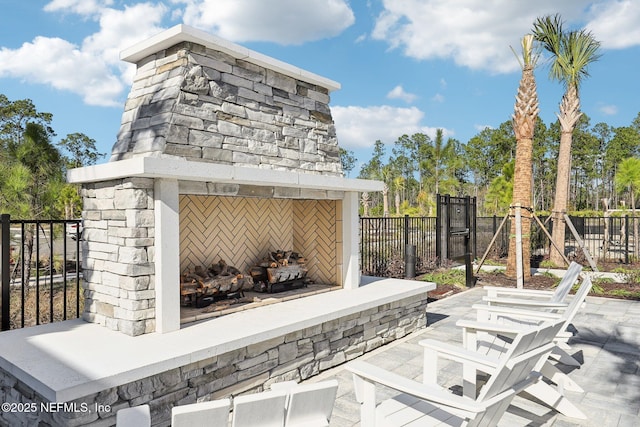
(535, 282)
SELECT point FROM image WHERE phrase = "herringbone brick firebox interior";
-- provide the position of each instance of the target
(242, 230)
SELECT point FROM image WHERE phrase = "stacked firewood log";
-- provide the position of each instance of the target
(218, 280)
(278, 267)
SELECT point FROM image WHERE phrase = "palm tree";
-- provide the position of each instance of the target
(398, 184)
(572, 53)
(628, 177)
(385, 176)
(524, 121)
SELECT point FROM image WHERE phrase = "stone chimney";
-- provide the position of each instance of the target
(220, 103)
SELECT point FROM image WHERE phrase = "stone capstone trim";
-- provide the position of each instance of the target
(118, 254)
(200, 104)
(295, 356)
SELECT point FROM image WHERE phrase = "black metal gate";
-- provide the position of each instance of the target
(456, 230)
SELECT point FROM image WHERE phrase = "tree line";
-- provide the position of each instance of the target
(419, 167)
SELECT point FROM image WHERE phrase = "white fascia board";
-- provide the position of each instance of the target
(185, 170)
(184, 33)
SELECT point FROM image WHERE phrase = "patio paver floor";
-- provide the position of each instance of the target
(607, 342)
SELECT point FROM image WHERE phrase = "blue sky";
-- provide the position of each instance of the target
(405, 66)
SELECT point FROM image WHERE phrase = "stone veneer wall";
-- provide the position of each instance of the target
(200, 104)
(295, 356)
(118, 254)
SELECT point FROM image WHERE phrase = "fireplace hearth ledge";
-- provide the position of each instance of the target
(72, 359)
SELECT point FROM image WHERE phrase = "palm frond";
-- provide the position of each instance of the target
(572, 51)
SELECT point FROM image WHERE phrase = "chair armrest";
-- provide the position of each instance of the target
(518, 312)
(428, 392)
(525, 303)
(459, 354)
(492, 327)
(494, 291)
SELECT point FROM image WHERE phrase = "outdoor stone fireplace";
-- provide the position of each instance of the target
(222, 153)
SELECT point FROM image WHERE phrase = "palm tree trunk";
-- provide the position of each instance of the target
(561, 198)
(524, 120)
(385, 200)
(521, 196)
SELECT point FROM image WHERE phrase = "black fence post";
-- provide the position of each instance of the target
(626, 239)
(406, 230)
(447, 232)
(438, 228)
(6, 269)
(409, 252)
(474, 226)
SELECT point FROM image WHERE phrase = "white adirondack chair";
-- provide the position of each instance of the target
(427, 403)
(308, 405)
(266, 409)
(136, 416)
(515, 297)
(510, 314)
(213, 413)
(488, 338)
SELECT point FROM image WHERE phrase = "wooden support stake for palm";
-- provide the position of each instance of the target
(493, 240)
(519, 261)
(580, 243)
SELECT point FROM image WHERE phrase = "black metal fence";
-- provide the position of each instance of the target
(607, 239)
(383, 240)
(40, 265)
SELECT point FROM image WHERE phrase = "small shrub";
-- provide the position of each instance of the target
(547, 264)
(625, 293)
(628, 276)
(453, 277)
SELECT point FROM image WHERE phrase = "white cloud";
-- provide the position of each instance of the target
(474, 34)
(615, 23)
(62, 65)
(361, 38)
(92, 70)
(398, 92)
(120, 29)
(360, 127)
(81, 7)
(437, 97)
(608, 110)
(284, 21)
(480, 128)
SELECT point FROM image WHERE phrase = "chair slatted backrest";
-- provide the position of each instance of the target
(136, 416)
(568, 280)
(214, 413)
(527, 352)
(579, 298)
(266, 409)
(310, 405)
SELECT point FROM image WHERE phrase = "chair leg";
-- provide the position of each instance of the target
(551, 372)
(549, 395)
(563, 357)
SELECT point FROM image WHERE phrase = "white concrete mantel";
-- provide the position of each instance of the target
(185, 170)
